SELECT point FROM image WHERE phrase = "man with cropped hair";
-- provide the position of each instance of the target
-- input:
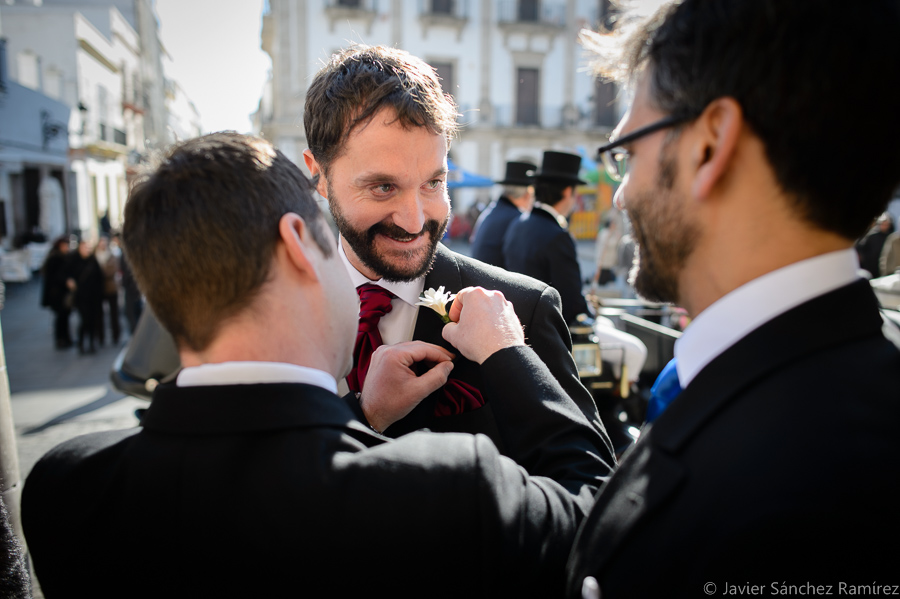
(249, 476)
(778, 460)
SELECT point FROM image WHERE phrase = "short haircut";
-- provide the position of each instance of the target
(550, 193)
(202, 228)
(360, 81)
(514, 191)
(817, 81)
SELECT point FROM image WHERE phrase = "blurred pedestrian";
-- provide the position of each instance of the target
(108, 258)
(517, 197)
(539, 243)
(86, 280)
(56, 295)
(15, 583)
(869, 247)
(606, 250)
(133, 300)
(890, 255)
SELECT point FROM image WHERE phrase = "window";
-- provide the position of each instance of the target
(528, 10)
(527, 95)
(102, 108)
(27, 63)
(445, 72)
(605, 103)
(442, 7)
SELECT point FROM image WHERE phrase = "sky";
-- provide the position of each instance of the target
(216, 57)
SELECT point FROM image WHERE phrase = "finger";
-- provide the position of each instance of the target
(418, 351)
(457, 305)
(433, 379)
(449, 332)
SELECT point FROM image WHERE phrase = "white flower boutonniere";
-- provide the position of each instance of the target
(437, 301)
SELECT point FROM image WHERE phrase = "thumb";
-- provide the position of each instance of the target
(449, 332)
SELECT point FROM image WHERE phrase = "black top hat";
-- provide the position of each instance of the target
(519, 173)
(560, 167)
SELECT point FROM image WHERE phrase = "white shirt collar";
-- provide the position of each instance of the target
(251, 373)
(563, 222)
(736, 314)
(408, 291)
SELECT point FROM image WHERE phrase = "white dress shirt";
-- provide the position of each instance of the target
(251, 373)
(399, 324)
(736, 314)
(562, 220)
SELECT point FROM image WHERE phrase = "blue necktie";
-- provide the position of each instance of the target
(664, 391)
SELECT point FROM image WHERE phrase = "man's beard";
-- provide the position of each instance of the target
(408, 265)
(663, 236)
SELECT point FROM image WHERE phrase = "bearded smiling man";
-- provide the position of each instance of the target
(379, 129)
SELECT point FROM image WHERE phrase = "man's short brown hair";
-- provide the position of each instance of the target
(360, 81)
(202, 228)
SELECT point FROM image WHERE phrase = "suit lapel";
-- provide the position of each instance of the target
(444, 271)
(810, 327)
(651, 472)
(651, 479)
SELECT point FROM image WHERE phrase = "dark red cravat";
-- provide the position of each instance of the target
(374, 302)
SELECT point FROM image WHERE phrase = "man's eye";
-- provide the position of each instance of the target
(435, 184)
(384, 188)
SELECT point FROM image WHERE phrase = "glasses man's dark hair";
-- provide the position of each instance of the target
(615, 158)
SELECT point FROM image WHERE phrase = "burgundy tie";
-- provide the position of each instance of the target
(374, 302)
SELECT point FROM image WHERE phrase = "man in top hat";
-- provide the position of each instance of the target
(539, 244)
(517, 197)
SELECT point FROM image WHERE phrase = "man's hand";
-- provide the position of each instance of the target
(482, 322)
(392, 389)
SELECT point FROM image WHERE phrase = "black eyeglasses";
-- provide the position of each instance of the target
(615, 158)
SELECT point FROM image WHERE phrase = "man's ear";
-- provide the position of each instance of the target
(718, 131)
(299, 243)
(314, 169)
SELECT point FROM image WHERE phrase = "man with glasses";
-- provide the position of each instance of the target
(775, 469)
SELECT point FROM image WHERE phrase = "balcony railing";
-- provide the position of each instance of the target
(543, 117)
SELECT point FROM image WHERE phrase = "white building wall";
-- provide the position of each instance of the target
(485, 54)
(95, 54)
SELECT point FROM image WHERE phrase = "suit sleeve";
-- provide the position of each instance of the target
(542, 424)
(503, 525)
(549, 337)
(538, 513)
(566, 275)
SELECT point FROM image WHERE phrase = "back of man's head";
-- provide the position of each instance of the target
(514, 192)
(817, 80)
(202, 228)
(362, 80)
(549, 193)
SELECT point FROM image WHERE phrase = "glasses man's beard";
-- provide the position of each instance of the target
(664, 238)
(401, 266)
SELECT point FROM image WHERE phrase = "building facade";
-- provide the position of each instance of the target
(91, 58)
(514, 67)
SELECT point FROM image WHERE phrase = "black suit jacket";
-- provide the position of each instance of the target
(487, 239)
(537, 246)
(274, 490)
(777, 464)
(537, 307)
